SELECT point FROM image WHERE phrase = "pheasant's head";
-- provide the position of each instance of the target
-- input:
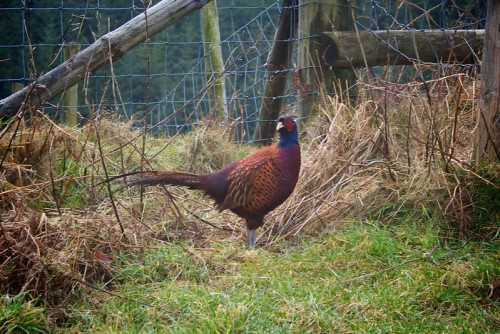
(289, 135)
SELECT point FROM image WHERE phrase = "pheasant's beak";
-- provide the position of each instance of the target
(280, 126)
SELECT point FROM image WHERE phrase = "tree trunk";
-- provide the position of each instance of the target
(277, 66)
(487, 132)
(110, 46)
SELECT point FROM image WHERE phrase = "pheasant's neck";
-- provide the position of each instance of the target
(286, 141)
(289, 159)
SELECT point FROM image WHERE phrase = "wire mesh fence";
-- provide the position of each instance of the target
(163, 80)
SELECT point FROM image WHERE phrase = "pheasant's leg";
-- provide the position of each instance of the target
(251, 238)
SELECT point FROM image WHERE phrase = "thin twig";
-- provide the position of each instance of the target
(114, 294)
(209, 223)
(108, 184)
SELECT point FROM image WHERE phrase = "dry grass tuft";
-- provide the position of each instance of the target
(50, 240)
(50, 256)
(24, 152)
(210, 147)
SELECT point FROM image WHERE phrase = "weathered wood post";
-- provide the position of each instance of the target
(214, 64)
(400, 47)
(316, 17)
(277, 66)
(69, 114)
(487, 132)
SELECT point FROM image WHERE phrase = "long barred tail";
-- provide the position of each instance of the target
(153, 178)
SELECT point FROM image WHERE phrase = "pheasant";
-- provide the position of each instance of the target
(250, 187)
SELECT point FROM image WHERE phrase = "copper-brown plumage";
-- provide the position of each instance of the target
(250, 187)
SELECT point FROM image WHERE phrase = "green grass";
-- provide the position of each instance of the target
(364, 278)
(19, 316)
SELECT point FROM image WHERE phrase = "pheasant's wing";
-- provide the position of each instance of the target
(243, 179)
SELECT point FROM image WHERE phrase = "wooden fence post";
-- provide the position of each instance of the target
(314, 18)
(400, 47)
(69, 114)
(214, 64)
(487, 131)
(277, 68)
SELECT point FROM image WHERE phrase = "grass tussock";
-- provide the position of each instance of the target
(390, 228)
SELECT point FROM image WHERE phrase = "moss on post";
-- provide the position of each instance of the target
(214, 64)
(69, 114)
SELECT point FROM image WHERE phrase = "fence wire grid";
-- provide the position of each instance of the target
(163, 81)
